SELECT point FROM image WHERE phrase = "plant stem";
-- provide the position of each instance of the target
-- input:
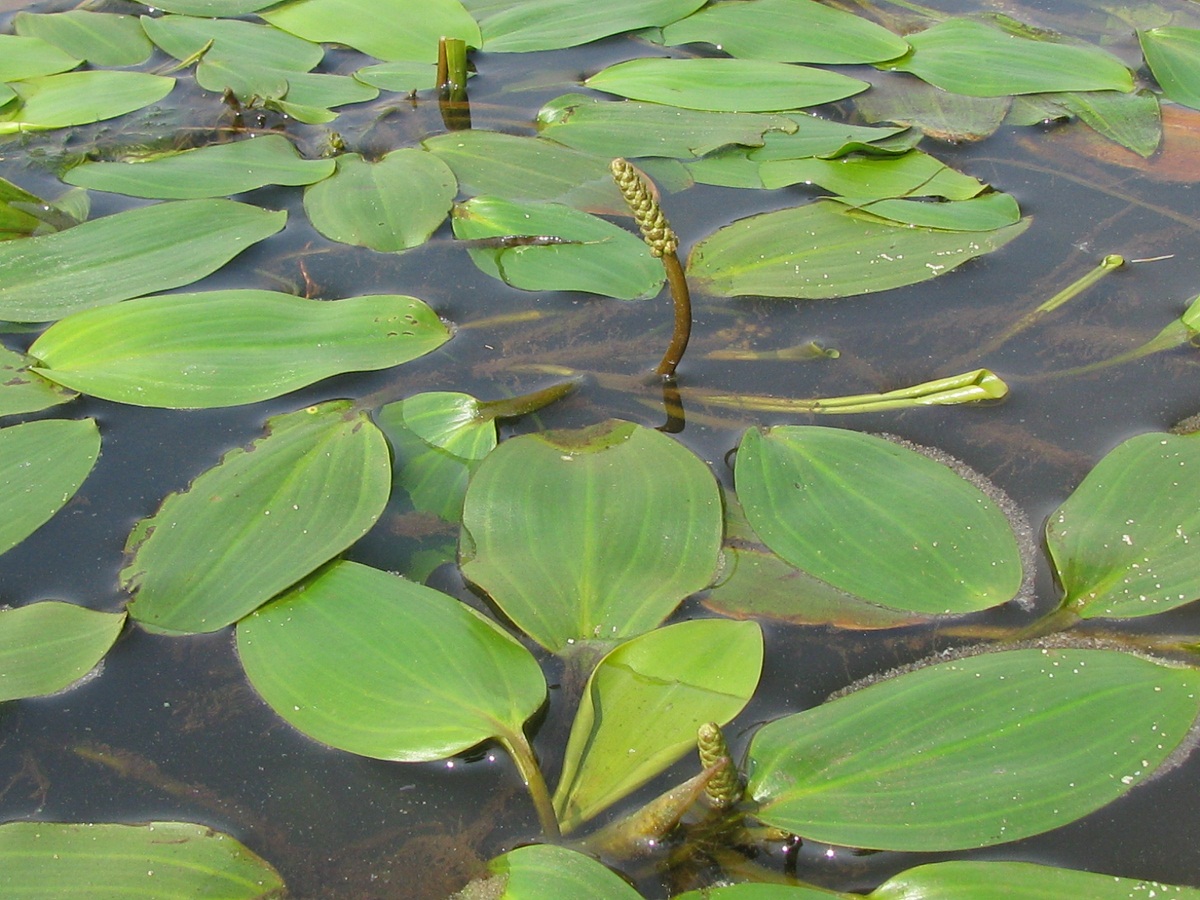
(682, 299)
(531, 773)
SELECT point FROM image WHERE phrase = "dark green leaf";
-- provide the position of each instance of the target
(939, 114)
(46, 647)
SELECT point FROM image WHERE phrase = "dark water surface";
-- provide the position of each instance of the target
(187, 739)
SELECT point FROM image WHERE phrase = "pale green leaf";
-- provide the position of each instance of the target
(912, 174)
(46, 647)
(79, 98)
(980, 880)
(1173, 55)
(401, 77)
(23, 391)
(983, 213)
(103, 39)
(23, 56)
(524, 25)
(545, 871)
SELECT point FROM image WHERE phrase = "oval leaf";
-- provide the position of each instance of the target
(877, 519)
(973, 752)
(643, 704)
(103, 39)
(367, 662)
(1018, 881)
(25, 56)
(125, 255)
(543, 871)
(259, 521)
(555, 530)
(46, 647)
(555, 24)
(1173, 55)
(865, 178)
(1122, 542)
(225, 348)
(42, 465)
(79, 98)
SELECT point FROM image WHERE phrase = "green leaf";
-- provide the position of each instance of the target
(823, 250)
(258, 521)
(912, 174)
(46, 647)
(23, 391)
(51, 860)
(516, 167)
(102, 39)
(555, 530)
(937, 113)
(42, 465)
(367, 662)
(24, 57)
(787, 31)
(213, 171)
(390, 205)
(402, 77)
(126, 255)
(968, 57)
(356, 23)
(544, 871)
(311, 95)
(79, 98)
(957, 879)
(724, 85)
(554, 24)
(594, 256)
(749, 890)
(972, 752)
(216, 8)
(1132, 120)
(628, 128)
(983, 213)
(1173, 55)
(643, 704)
(1121, 543)
(877, 520)
(225, 348)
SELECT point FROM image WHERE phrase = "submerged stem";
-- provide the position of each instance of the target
(531, 773)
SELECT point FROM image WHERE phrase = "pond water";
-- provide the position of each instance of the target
(170, 728)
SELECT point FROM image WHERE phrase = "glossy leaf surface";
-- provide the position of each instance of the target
(393, 204)
(1018, 881)
(22, 391)
(912, 174)
(555, 24)
(48, 646)
(594, 255)
(125, 255)
(213, 171)
(643, 704)
(555, 529)
(79, 98)
(822, 250)
(367, 662)
(42, 465)
(103, 39)
(542, 871)
(1122, 542)
(877, 519)
(167, 860)
(259, 521)
(1173, 55)
(971, 752)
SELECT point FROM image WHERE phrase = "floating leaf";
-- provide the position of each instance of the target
(643, 704)
(259, 521)
(42, 465)
(22, 391)
(25, 56)
(46, 647)
(877, 520)
(750, 890)
(311, 95)
(939, 114)
(51, 860)
(724, 85)
(972, 752)
(225, 348)
(555, 526)
(554, 24)
(390, 205)
(102, 39)
(1132, 120)
(968, 57)
(983, 213)
(230, 8)
(787, 31)
(593, 255)
(402, 77)
(1173, 55)
(912, 174)
(213, 171)
(79, 98)
(1018, 881)
(1121, 543)
(356, 23)
(126, 255)
(367, 662)
(541, 871)
(823, 250)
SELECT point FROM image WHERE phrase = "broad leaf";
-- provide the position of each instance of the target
(983, 213)
(217, 8)
(126, 255)
(968, 57)
(912, 174)
(51, 860)
(1132, 120)
(23, 391)
(543, 871)
(823, 250)
(555, 530)
(402, 77)
(937, 113)
(751, 890)
(1122, 542)
(972, 752)
(213, 171)
(25, 56)
(787, 31)
(79, 98)
(724, 85)
(102, 39)
(367, 662)
(525, 25)
(589, 254)
(390, 205)
(259, 521)
(1173, 55)
(877, 520)
(46, 647)
(643, 704)
(311, 95)
(42, 465)
(225, 348)
(957, 879)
